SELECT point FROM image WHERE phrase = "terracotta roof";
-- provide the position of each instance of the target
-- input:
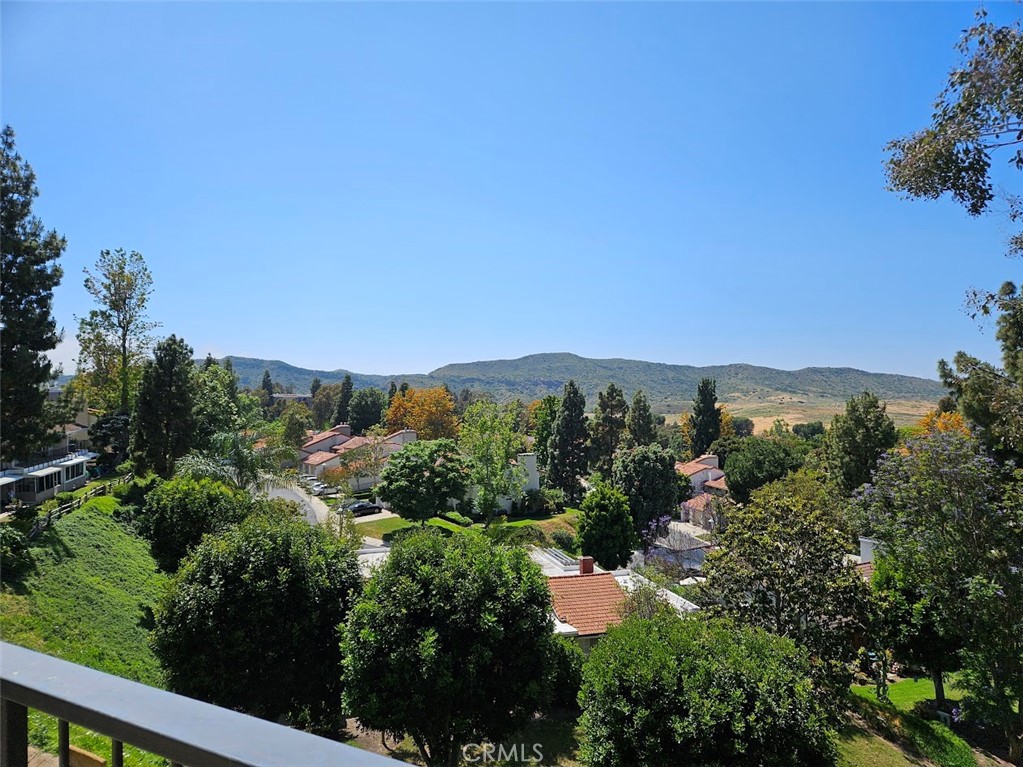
(319, 438)
(353, 443)
(691, 468)
(259, 444)
(318, 457)
(700, 502)
(866, 571)
(590, 602)
(718, 484)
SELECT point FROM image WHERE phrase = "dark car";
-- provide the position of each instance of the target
(362, 508)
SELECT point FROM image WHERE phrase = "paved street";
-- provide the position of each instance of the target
(316, 511)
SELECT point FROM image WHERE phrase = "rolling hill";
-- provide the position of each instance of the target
(670, 388)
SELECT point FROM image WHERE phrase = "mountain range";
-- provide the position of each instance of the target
(670, 388)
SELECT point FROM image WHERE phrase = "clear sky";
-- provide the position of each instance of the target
(389, 187)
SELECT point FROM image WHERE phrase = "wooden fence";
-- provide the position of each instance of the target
(44, 522)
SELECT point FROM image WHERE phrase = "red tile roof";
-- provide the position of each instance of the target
(717, 484)
(318, 457)
(590, 603)
(353, 443)
(866, 571)
(691, 468)
(699, 502)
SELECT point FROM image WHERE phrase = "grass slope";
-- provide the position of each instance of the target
(669, 387)
(86, 599)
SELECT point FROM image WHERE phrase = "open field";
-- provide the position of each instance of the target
(764, 412)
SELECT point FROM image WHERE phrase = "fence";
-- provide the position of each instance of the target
(44, 522)
(182, 730)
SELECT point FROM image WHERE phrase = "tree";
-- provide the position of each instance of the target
(607, 428)
(670, 691)
(566, 448)
(647, 477)
(422, 477)
(163, 425)
(114, 338)
(111, 435)
(755, 462)
(977, 114)
(542, 414)
(856, 440)
(809, 431)
(781, 566)
(743, 426)
(267, 385)
(180, 511)
(428, 412)
(951, 522)
(240, 461)
(343, 413)
(392, 390)
(30, 273)
(366, 409)
(314, 386)
(639, 422)
(605, 530)
(451, 643)
(215, 410)
(263, 600)
(706, 418)
(490, 443)
(296, 419)
(324, 405)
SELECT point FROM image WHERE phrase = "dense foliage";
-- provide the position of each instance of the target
(566, 448)
(667, 691)
(646, 476)
(607, 427)
(422, 477)
(856, 440)
(163, 424)
(606, 529)
(754, 461)
(261, 603)
(450, 644)
(706, 417)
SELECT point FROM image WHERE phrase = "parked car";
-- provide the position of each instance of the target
(362, 508)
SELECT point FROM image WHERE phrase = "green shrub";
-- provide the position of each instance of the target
(134, 493)
(567, 673)
(13, 549)
(565, 540)
(63, 499)
(458, 519)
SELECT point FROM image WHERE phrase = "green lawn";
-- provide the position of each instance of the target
(858, 747)
(384, 529)
(87, 599)
(906, 693)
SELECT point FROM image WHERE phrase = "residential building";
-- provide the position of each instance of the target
(35, 484)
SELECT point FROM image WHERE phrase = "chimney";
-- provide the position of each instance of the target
(585, 565)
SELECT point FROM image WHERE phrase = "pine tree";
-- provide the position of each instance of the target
(607, 428)
(29, 276)
(640, 422)
(706, 418)
(567, 446)
(314, 386)
(163, 426)
(342, 414)
(268, 386)
(391, 392)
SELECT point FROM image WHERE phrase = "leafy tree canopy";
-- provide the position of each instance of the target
(422, 477)
(605, 530)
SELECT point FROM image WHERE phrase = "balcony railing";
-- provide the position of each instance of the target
(182, 730)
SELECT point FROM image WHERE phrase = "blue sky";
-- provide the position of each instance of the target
(389, 187)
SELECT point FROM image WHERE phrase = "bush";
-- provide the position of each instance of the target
(565, 540)
(180, 511)
(516, 535)
(458, 519)
(567, 673)
(668, 690)
(63, 499)
(13, 549)
(134, 493)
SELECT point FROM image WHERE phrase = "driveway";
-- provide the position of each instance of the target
(314, 510)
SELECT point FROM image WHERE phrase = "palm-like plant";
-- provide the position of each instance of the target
(235, 460)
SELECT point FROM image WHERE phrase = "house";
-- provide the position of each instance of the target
(531, 481)
(325, 440)
(585, 604)
(700, 471)
(317, 463)
(35, 484)
(864, 563)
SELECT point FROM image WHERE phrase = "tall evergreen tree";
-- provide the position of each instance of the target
(856, 440)
(706, 418)
(567, 446)
(314, 386)
(344, 401)
(392, 390)
(268, 386)
(28, 331)
(639, 423)
(163, 426)
(543, 414)
(607, 428)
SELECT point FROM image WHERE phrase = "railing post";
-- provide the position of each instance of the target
(116, 753)
(63, 744)
(13, 734)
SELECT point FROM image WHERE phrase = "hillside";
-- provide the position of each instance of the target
(670, 388)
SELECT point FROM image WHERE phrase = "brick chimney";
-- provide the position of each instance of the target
(585, 565)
